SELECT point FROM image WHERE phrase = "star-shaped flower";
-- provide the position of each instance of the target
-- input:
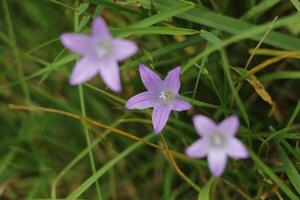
(162, 95)
(217, 142)
(100, 53)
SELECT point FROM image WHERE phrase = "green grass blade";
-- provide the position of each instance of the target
(204, 193)
(173, 11)
(273, 176)
(85, 185)
(154, 30)
(202, 15)
(289, 168)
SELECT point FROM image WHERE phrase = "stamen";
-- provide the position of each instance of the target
(103, 47)
(166, 97)
(217, 139)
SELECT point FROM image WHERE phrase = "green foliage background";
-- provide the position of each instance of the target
(46, 154)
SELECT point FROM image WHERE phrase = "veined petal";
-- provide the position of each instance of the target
(229, 126)
(142, 101)
(216, 162)
(110, 74)
(172, 81)
(198, 149)
(180, 105)
(236, 149)
(160, 117)
(123, 48)
(100, 29)
(78, 43)
(203, 125)
(84, 69)
(150, 80)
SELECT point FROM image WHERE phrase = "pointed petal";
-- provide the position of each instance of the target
(150, 80)
(142, 101)
(198, 149)
(100, 29)
(216, 162)
(110, 74)
(77, 43)
(84, 69)
(203, 125)
(236, 149)
(172, 81)
(124, 48)
(229, 126)
(160, 117)
(180, 105)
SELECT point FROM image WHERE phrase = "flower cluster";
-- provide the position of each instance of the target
(100, 53)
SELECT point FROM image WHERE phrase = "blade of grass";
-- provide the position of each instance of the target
(204, 193)
(83, 111)
(86, 184)
(232, 88)
(296, 4)
(202, 15)
(289, 168)
(268, 171)
(152, 30)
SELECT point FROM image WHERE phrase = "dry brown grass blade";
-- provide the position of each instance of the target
(258, 87)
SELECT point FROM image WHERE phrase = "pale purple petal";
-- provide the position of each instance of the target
(216, 162)
(100, 29)
(160, 117)
(198, 149)
(84, 69)
(203, 125)
(229, 126)
(78, 43)
(172, 81)
(180, 105)
(110, 74)
(142, 101)
(236, 149)
(150, 80)
(123, 48)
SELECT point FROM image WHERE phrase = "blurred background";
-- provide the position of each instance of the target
(47, 156)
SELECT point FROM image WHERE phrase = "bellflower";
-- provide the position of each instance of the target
(217, 142)
(162, 95)
(100, 53)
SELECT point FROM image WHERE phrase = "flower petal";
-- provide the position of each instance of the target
(216, 162)
(142, 101)
(198, 149)
(84, 69)
(78, 43)
(229, 126)
(160, 117)
(124, 48)
(172, 81)
(236, 149)
(203, 125)
(180, 105)
(110, 74)
(100, 29)
(150, 80)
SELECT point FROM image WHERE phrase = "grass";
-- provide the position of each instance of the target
(64, 142)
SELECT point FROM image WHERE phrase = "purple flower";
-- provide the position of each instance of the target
(217, 142)
(100, 53)
(162, 95)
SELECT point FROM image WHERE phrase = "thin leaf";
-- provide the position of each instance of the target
(86, 184)
(204, 193)
(289, 168)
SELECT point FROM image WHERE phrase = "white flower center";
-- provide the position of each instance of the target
(103, 47)
(166, 97)
(217, 139)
